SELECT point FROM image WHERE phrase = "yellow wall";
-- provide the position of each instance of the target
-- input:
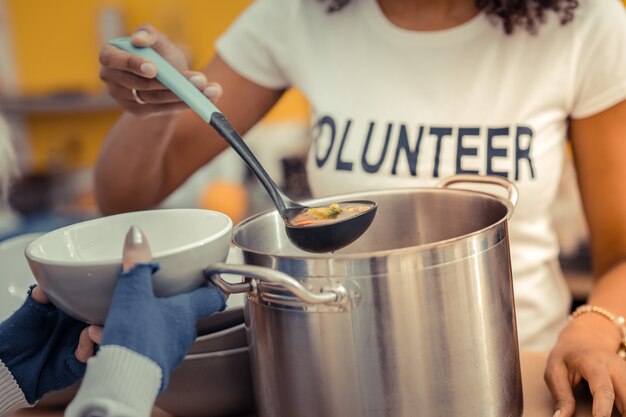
(56, 43)
(62, 142)
(56, 46)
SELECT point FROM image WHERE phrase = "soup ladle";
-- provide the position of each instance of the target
(323, 236)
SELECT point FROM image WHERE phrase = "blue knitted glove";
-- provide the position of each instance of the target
(161, 329)
(37, 344)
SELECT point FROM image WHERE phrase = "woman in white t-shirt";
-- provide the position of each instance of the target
(405, 92)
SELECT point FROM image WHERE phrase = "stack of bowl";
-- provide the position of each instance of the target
(77, 267)
(214, 379)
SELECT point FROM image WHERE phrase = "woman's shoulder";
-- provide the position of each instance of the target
(592, 22)
(599, 12)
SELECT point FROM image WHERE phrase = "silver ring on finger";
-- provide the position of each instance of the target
(137, 98)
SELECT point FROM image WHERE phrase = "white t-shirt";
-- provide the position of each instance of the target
(396, 108)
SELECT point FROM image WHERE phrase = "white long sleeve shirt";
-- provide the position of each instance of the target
(118, 382)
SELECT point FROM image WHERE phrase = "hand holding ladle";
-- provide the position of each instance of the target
(324, 236)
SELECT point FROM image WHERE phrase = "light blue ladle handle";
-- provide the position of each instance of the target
(172, 79)
(187, 92)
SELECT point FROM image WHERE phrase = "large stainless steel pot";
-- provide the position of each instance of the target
(415, 319)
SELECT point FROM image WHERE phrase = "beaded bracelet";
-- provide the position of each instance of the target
(618, 320)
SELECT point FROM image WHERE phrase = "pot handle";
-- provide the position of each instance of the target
(330, 296)
(511, 188)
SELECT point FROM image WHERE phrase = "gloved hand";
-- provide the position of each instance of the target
(39, 345)
(161, 329)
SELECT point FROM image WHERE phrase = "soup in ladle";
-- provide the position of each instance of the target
(316, 216)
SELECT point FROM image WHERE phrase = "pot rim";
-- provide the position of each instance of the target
(338, 256)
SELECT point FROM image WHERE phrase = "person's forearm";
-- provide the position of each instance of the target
(609, 291)
(129, 173)
(144, 160)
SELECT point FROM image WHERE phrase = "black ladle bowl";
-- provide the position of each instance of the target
(327, 237)
(332, 236)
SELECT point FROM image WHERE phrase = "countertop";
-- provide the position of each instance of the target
(537, 399)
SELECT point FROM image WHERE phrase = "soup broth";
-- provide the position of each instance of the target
(325, 215)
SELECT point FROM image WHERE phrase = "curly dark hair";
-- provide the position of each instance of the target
(527, 14)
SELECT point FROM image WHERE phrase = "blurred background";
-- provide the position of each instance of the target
(51, 95)
(55, 103)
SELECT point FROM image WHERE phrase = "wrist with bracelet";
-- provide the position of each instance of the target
(619, 321)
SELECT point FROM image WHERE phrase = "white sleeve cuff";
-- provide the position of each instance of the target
(118, 382)
(11, 396)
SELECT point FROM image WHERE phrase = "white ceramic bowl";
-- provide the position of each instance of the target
(16, 275)
(77, 265)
